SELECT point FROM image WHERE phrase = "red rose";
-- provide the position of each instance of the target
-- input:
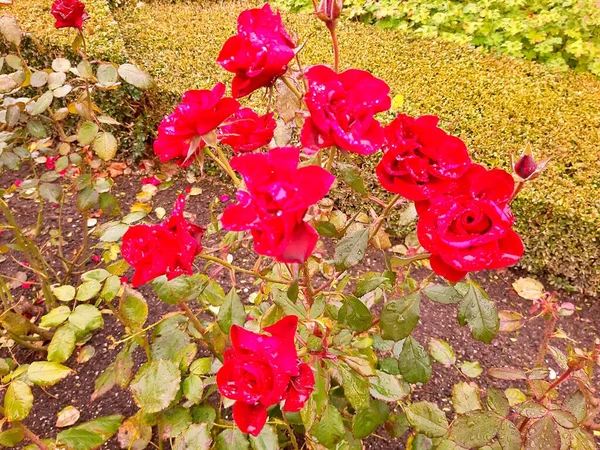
(247, 131)
(259, 53)
(181, 134)
(341, 107)
(262, 370)
(275, 203)
(165, 249)
(470, 229)
(69, 14)
(421, 160)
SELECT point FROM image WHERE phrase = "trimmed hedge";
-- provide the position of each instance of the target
(496, 104)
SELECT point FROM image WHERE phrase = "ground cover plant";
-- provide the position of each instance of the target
(279, 337)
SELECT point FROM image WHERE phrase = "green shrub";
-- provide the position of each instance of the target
(497, 104)
(560, 33)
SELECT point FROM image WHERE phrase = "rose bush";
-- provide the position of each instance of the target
(317, 346)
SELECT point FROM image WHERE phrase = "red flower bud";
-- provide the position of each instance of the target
(329, 10)
(526, 167)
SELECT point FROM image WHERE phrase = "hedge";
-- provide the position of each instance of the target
(496, 104)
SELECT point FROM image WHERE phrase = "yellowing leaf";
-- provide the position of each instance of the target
(529, 288)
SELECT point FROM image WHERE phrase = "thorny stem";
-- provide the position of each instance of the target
(520, 185)
(385, 212)
(290, 432)
(292, 88)
(310, 295)
(329, 164)
(223, 165)
(550, 326)
(334, 41)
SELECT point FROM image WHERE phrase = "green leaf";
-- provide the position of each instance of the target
(356, 387)
(366, 421)
(231, 312)
(442, 294)
(92, 434)
(397, 425)
(531, 409)
(289, 308)
(211, 293)
(414, 362)
(326, 229)
(475, 429)
(18, 401)
(174, 421)
(514, 396)
(575, 403)
(107, 74)
(427, 418)
(441, 351)
(355, 314)
(369, 282)
(330, 429)
(231, 439)
(12, 436)
(193, 388)
(55, 317)
(183, 288)
(133, 310)
(64, 293)
(266, 440)
(351, 176)
(111, 288)
(472, 369)
(509, 436)
(105, 146)
(95, 274)
(564, 418)
(50, 192)
(88, 290)
(388, 388)
(292, 292)
(86, 318)
(480, 313)
(85, 69)
(135, 76)
(204, 414)
(582, 440)
(87, 198)
(42, 103)
(351, 249)
(196, 436)
(62, 345)
(44, 373)
(543, 434)
(87, 132)
(168, 343)
(399, 317)
(497, 402)
(156, 385)
(118, 373)
(465, 397)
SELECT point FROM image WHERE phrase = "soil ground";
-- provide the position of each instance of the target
(439, 321)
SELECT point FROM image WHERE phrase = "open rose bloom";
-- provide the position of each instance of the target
(69, 14)
(262, 370)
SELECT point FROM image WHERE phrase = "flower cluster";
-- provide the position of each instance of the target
(277, 198)
(263, 370)
(465, 220)
(167, 248)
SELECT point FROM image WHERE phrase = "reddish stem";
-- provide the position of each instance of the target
(334, 40)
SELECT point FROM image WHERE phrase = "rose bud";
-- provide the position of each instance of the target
(329, 10)
(526, 167)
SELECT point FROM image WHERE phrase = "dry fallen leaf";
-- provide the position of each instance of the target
(67, 417)
(529, 288)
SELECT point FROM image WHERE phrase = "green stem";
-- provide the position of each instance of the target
(332, 153)
(310, 295)
(200, 328)
(239, 269)
(223, 165)
(292, 88)
(334, 41)
(385, 212)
